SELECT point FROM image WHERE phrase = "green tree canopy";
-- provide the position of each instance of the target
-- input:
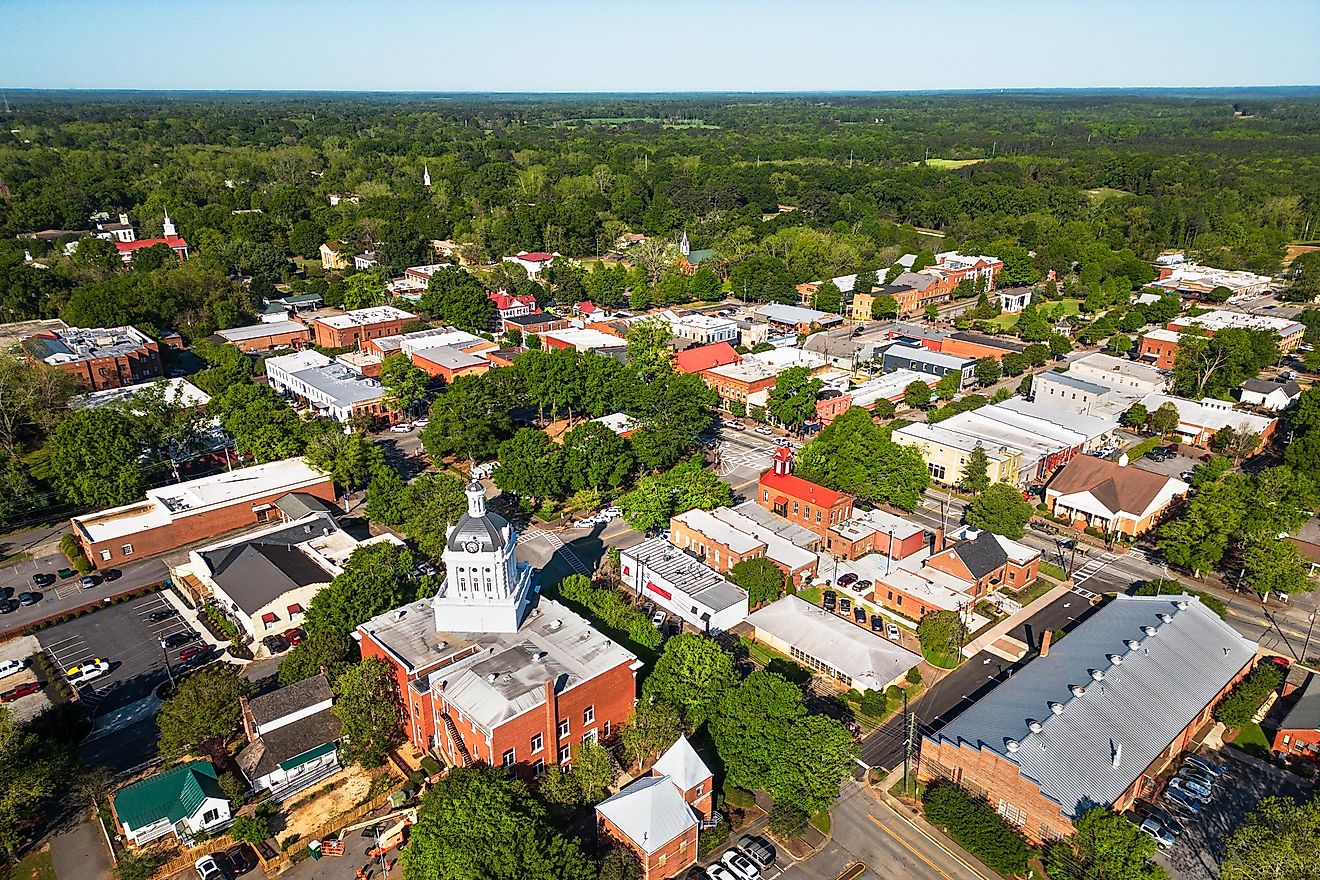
(761, 578)
(792, 401)
(377, 578)
(658, 497)
(94, 458)
(456, 297)
(204, 707)
(406, 386)
(1000, 509)
(367, 705)
(1105, 846)
(1279, 839)
(692, 674)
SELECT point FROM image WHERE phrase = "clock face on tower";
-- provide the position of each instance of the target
(472, 547)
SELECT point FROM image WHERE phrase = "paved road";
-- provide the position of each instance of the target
(67, 594)
(79, 851)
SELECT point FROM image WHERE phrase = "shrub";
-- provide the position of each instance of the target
(975, 824)
(135, 866)
(874, 703)
(711, 839)
(251, 829)
(1163, 587)
(914, 675)
(1237, 707)
(607, 606)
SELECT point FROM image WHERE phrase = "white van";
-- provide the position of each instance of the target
(9, 667)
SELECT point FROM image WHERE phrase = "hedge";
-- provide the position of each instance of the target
(611, 610)
(974, 823)
(1241, 703)
(1174, 588)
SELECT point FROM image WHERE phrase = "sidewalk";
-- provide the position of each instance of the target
(992, 635)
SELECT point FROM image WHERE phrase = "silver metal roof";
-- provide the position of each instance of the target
(1146, 666)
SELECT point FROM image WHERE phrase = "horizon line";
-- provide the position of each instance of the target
(655, 92)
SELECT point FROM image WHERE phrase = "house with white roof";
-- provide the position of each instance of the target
(658, 816)
(1198, 420)
(332, 389)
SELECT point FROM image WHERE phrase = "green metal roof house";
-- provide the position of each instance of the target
(184, 800)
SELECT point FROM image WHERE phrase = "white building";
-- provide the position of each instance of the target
(186, 800)
(1014, 299)
(1120, 372)
(1198, 420)
(701, 329)
(329, 387)
(1273, 396)
(293, 738)
(533, 262)
(661, 573)
(177, 391)
(1193, 279)
(486, 588)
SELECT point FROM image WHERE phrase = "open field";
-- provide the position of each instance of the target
(1067, 307)
(949, 164)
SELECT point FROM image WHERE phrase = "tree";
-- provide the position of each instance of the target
(1273, 565)
(531, 465)
(884, 307)
(458, 298)
(865, 282)
(406, 386)
(433, 502)
(1278, 839)
(940, 633)
(792, 401)
(932, 312)
(761, 578)
(94, 458)
(1032, 325)
(1000, 509)
(1215, 366)
(595, 457)
(478, 823)
(649, 348)
(658, 497)
(1165, 419)
(1105, 846)
(376, 579)
(471, 418)
(586, 781)
(205, 706)
(1198, 539)
(252, 828)
(762, 278)
(364, 290)
(949, 385)
(653, 726)
(768, 740)
(976, 472)
(827, 298)
(1235, 444)
(1015, 364)
(854, 455)
(692, 674)
(35, 768)
(987, 371)
(323, 648)
(1136, 417)
(620, 864)
(917, 394)
(367, 705)
(349, 459)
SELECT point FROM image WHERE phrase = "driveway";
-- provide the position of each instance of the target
(78, 850)
(65, 595)
(1187, 459)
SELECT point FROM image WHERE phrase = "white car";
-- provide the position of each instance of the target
(763, 430)
(9, 667)
(659, 618)
(740, 865)
(736, 426)
(613, 511)
(208, 869)
(421, 423)
(892, 633)
(585, 522)
(88, 671)
(401, 428)
(719, 872)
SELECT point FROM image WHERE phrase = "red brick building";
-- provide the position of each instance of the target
(971, 345)
(1159, 348)
(1095, 719)
(536, 323)
(490, 672)
(658, 816)
(701, 358)
(268, 337)
(352, 329)
(986, 561)
(101, 358)
(177, 515)
(801, 501)
(1298, 736)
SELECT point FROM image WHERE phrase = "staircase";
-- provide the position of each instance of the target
(464, 758)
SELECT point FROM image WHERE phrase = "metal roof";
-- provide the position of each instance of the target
(650, 811)
(175, 794)
(683, 765)
(1089, 718)
(1305, 713)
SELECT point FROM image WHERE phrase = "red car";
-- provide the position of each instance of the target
(294, 636)
(22, 690)
(192, 652)
(1281, 662)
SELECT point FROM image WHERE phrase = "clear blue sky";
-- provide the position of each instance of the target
(657, 45)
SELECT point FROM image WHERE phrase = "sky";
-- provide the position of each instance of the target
(660, 45)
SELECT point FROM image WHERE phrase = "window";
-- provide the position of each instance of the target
(127, 549)
(563, 728)
(538, 743)
(538, 769)
(210, 816)
(588, 714)
(795, 508)
(936, 471)
(590, 736)
(605, 729)
(508, 758)
(1015, 815)
(105, 555)
(818, 516)
(564, 754)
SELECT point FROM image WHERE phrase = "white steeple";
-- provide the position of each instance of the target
(169, 226)
(426, 176)
(683, 246)
(486, 588)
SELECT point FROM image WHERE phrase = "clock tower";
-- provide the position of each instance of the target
(486, 589)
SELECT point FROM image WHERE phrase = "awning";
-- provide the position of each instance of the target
(295, 608)
(269, 617)
(780, 499)
(308, 756)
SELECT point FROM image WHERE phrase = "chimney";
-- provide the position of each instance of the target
(938, 544)
(249, 723)
(123, 219)
(1045, 639)
(551, 723)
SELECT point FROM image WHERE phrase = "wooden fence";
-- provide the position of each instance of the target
(284, 860)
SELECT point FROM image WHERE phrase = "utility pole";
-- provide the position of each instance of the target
(909, 726)
(1310, 626)
(164, 652)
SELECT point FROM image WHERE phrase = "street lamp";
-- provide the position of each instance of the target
(1310, 626)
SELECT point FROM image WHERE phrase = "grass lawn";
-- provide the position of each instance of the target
(37, 866)
(822, 821)
(950, 164)
(760, 654)
(38, 463)
(810, 594)
(1066, 309)
(1143, 447)
(1251, 739)
(1106, 192)
(942, 660)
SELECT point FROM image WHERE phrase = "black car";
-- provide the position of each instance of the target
(8, 606)
(859, 615)
(162, 614)
(241, 860)
(845, 606)
(275, 644)
(862, 586)
(111, 574)
(43, 579)
(877, 623)
(29, 598)
(829, 600)
(846, 578)
(178, 638)
(6, 592)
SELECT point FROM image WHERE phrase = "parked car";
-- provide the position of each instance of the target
(86, 672)
(781, 441)
(1162, 453)
(1164, 817)
(659, 618)
(719, 872)
(736, 426)
(427, 568)
(613, 511)
(9, 667)
(859, 615)
(764, 431)
(877, 623)
(1037, 525)
(829, 600)
(1281, 662)
(275, 644)
(846, 578)
(1182, 802)
(1155, 828)
(29, 598)
(43, 579)
(110, 574)
(401, 428)
(193, 652)
(6, 592)
(173, 640)
(8, 606)
(892, 632)
(208, 869)
(23, 690)
(1206, 764)
(1191, 789)
(862, 586)
(845, 606)
(421, 423)
(758, 849)
(294, 636)
(240, 860)
(162, 614)
(743, 867)
(1196, 774)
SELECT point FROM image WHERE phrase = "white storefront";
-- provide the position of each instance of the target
(659, 572)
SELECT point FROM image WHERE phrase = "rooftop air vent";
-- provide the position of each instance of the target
(1182, 605)
(1035, 726)
(399, 614)
(1115, 659)
(1012, 745)
(540, 656)
(492, 677)
(1078, 690)
(1132, 644)
(556, 624)
(1167, 618)
(1098, 674)
(1149, 630)
(1056, 707)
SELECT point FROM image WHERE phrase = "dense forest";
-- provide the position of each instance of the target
(800, 187)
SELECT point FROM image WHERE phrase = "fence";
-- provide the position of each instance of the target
(284, 860)
(188, 857)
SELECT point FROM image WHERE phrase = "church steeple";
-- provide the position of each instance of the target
(426, 176)
(169, 229)
(684, 247)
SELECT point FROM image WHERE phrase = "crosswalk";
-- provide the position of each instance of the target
(1092, 568)
(733, 458)
(557, 543)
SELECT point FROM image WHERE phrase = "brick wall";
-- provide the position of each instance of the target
(718, 555)
(668, 861)
(973, 350)
(98, 374)
(332, 337)
(1158, 352)
(289, 339)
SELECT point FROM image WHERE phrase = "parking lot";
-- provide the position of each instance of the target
(1187, 459)
(1199, 849)
(129, 639)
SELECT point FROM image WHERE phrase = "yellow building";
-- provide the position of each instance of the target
(946, 452)
(861, 306)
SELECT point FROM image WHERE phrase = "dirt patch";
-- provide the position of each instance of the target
(350, 788)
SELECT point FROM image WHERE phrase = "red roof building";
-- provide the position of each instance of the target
(176, 243)
(706, 357)
(800, 501)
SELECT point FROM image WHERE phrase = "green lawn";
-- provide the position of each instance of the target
(37, 866)
(949, 164)
(1066, 309)
(810, 594)
(1251, 739)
